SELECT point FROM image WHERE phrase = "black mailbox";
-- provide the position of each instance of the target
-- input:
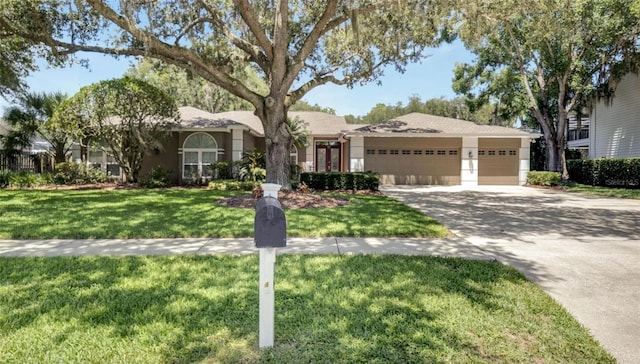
(270, 225)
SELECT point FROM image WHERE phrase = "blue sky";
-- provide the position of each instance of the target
(429, 79)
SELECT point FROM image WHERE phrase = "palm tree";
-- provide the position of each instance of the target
(30, 119)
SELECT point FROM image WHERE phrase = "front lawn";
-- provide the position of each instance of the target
(32, 214)
(329, 309)
(604, 191)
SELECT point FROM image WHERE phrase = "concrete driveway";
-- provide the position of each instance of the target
(584, 251)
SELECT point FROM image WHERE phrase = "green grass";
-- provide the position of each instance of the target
(604, 191)
(329, 309)
(33, 214)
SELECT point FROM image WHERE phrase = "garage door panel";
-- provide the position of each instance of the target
(498, 164)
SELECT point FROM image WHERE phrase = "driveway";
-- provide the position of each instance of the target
(584, 251)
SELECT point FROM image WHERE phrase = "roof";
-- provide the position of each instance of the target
(318, 123)
(437, 126)
(323, 124)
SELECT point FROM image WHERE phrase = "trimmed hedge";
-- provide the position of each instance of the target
(606, 172)
(341, 180)
(233, 185)
(541, 178)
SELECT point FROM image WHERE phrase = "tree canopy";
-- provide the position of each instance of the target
(294, 46)
(552, 53)
(125, 118)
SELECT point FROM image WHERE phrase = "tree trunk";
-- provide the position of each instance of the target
(277, 140)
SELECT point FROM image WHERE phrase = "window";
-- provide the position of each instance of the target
(393, 152)
(428, 152)
(417, 152)
(492, 152)
(481, 152)
(512, 152)
(371, 151)
(406, 152)
(199, 151)
(104, 161)
(442, 152)
(502, 152)
(382, 151)
(453, 152)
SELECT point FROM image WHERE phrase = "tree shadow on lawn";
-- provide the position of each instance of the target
(193, 308)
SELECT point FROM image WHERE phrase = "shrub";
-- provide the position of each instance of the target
(610, 172)
(5, 175)
(78, 173)
(541, 178)
(232, 185)
(221, 170)
(158, 177)
(341, 180)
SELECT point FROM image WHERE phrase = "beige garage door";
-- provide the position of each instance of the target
(498, 161)
(429, 161)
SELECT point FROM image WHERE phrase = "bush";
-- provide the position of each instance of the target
(221, 170)
(232, 185)
(541, 178)
(5, 174)
(158, 177)
(341, 180)
(78, 173)
(609, 172)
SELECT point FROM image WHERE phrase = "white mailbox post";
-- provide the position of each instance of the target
(270, 233)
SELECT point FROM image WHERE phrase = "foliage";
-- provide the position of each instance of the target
(341, 180)
(158, 177)
(338, 309)
(233, 185)
(302, 105)
(5, 176)
(222, 170)
(173, 213)
(252, 166)
(67, 173)
(456, 108)
(188, 89)
(543, 178)
(126, 117)
(31, 119)
(295, 46)
(607, 172)
(549, 56)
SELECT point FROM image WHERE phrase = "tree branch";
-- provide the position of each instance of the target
(248, 15)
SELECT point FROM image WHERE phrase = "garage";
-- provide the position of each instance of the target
(410, 161)
(498, 161)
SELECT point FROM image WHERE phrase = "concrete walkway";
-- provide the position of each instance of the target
(584, 251)
(454, 247)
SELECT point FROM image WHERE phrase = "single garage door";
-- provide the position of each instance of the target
(498, 161)
(428, 161)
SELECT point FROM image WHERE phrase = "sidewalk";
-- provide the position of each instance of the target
(451, 247)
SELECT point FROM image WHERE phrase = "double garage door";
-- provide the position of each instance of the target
(437, 161)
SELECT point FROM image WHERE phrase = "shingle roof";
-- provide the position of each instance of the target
(424, 124)
(318, 123)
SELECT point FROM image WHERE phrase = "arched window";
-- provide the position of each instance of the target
(199, 150)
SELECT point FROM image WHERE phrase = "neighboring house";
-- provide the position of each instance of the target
(578, 133)
(614, 129)
(411, 149)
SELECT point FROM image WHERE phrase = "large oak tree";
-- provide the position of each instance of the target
(294, 46)
(556, 53)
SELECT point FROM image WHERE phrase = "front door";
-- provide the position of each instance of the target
(328, 156)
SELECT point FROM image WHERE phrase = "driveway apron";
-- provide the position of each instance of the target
(583, 251)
